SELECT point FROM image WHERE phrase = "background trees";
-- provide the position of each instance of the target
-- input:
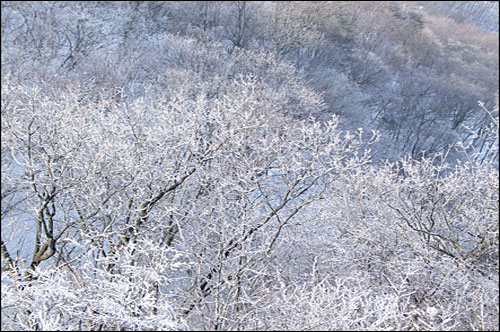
(172, 165)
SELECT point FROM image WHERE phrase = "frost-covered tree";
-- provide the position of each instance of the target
(214, 178)
(408, 245)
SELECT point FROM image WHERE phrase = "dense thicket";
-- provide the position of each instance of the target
(480, 13)
(248, 165)
(392, 67)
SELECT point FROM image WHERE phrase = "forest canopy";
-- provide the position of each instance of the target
(247, 165)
